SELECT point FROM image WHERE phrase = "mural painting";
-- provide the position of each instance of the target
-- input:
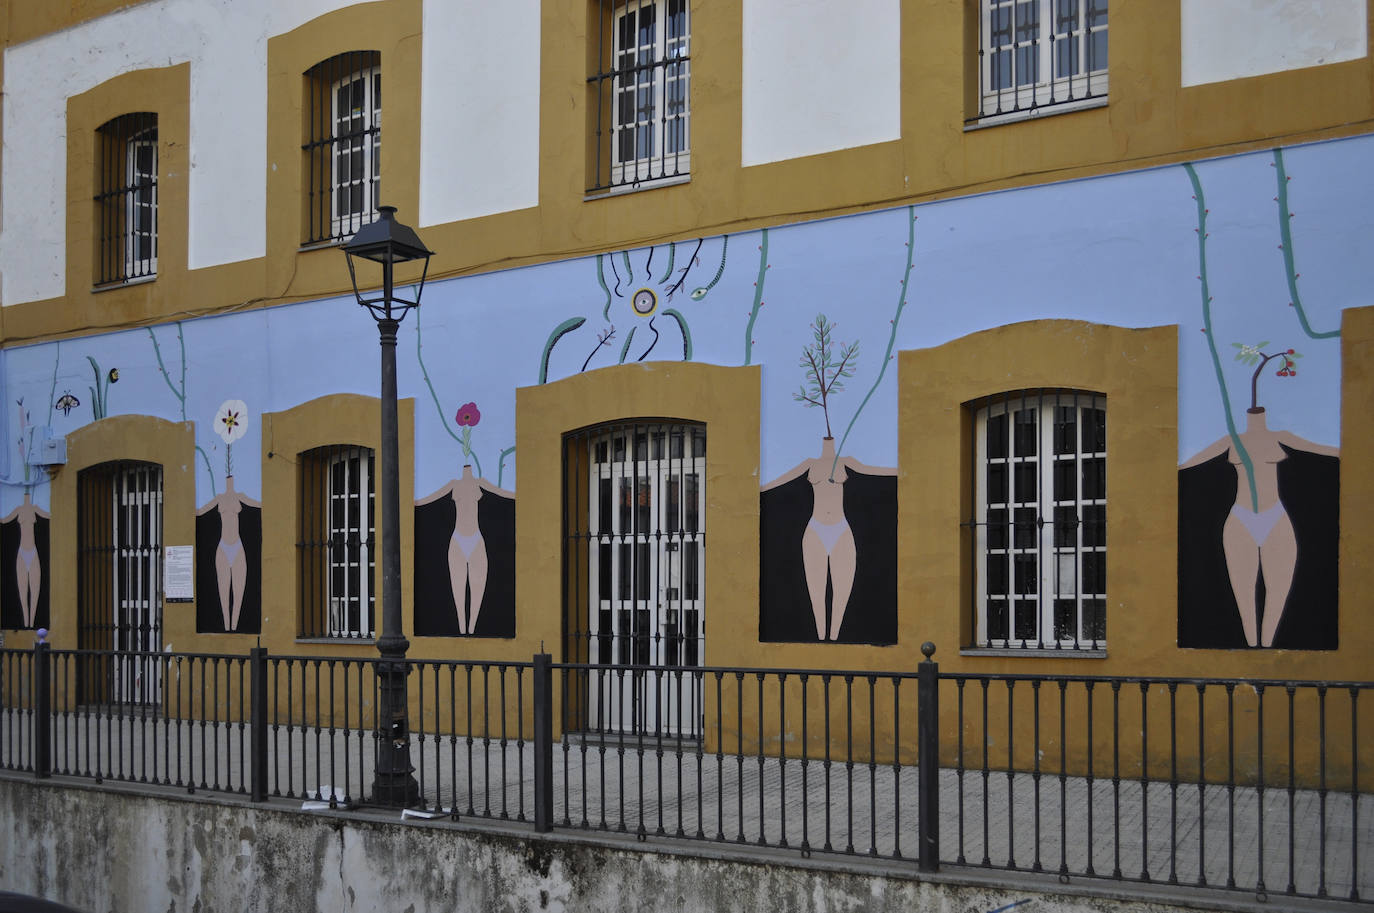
(829, 554)
(24, 547)
(1259, 507)
(465, 548)
(831, 514)
(641, 303)
(1257, 478)
(229, 544)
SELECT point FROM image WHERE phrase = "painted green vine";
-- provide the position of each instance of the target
(892, 336)
(1201, 230)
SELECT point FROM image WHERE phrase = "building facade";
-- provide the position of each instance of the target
(756, 334)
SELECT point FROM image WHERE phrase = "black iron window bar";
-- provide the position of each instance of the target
(1014, 44)
(119, 582)
(342, 148)
(1043, 470)
(635, 537)
(126, 199)
(335, 546)
(640, 92)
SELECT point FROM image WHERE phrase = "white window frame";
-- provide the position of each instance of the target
(136, 582)
(352, 606)
(344, 218)
(1025, 535)
(1044, 49)
(140, 197)
(664, 81)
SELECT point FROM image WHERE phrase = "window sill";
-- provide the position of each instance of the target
(122, 283)
(1035, 652)
(636, 187)
(327, 244)
(338, 641)
(1036, 113)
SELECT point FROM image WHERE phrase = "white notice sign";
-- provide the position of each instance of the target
(179, 573)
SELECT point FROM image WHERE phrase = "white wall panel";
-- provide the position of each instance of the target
(479, 109)
(819, 76)
(1232, 39)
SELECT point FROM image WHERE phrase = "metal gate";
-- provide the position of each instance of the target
(636, 499)
(119, 580)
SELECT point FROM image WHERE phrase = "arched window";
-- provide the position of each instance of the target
(126, 199)
(1040, 528)
(343, 144)
(635, 539)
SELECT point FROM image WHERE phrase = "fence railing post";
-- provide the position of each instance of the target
(42, 707)
(257, 724)
(543, 742)
(928, 760)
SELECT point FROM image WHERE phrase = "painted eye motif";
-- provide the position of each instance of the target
(644, 302)
(698, 294)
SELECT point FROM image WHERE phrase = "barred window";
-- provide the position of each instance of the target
(640, 88)
(635, 543)
(343, 143)
(336, 548)
(119, 582)
(126, 199)
(1040, 529)
(1038, 54)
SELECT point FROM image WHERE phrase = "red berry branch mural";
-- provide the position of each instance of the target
(1257, 500)
(1255, 355)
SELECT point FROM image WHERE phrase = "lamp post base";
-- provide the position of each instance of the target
(392, 784)
(395, 791)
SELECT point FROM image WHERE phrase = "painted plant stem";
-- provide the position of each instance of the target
(654, 330)
(1201, 229)
(720, 270)
(501, 466)
(1286, 239)
(602, 339)
(892, 336)
(682, 326)
(420, 358)
(686, 270)
(180, 394)
(162, 368)
(97, 391)
(52, 394)
(625, 349)
(758, 298)
(668, 271)
(601, 279)
(443, 419)
(558, 333)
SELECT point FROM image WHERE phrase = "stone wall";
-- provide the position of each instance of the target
(106, 851)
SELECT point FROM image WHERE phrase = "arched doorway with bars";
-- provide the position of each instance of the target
(634, 556)
(119, 581)
(637, 542)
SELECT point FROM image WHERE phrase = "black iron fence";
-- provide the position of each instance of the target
(1252, 785)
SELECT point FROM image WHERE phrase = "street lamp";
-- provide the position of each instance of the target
(388, 242)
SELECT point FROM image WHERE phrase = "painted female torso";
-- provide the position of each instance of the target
(1265, 454)
(828, 493)
(466, 494)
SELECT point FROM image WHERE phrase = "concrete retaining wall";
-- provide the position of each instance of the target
(105, 851)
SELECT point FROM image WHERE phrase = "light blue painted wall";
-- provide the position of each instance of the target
(1119, 249)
